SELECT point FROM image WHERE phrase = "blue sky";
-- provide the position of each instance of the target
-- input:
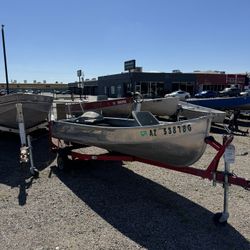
(51, 39)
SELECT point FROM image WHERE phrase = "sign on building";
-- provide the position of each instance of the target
(79, 73)
(128, 65)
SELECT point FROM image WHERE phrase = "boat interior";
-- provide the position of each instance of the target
(140, 118)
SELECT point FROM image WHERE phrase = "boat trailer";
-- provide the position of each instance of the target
(25, 155)
(65, 153)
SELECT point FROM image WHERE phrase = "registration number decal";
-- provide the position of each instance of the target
(170, 130)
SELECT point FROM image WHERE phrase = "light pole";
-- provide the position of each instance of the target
(80, 75)
(82, 87)
(5, 61)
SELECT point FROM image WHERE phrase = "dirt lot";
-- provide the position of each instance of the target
(115, 205)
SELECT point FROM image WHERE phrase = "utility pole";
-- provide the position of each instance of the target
(5, 61)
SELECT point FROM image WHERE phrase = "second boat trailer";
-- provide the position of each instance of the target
(25, 153)
(226, 149)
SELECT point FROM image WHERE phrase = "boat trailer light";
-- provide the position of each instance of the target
(24, 154)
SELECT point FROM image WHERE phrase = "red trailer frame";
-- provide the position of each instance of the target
(211, 173)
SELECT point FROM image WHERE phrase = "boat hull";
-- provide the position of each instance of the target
(177, 144)
(123, 107)
(193, 111)
(35, 109)
(223, 103)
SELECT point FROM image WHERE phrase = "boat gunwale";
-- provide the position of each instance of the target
(208, 118)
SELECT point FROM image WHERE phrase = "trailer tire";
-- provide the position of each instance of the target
(62, 160)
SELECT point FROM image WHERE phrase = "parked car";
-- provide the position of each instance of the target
(57, 92)
(37, 91)
(66, 92)
(28, 91)
(206, 94)
(245, 93)
(230, 92)
(183, 95)
(3, 92)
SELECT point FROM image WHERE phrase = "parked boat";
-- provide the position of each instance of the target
(190, 111)
(122, 107)
(223, 103)
(35, 109)
(176, 143)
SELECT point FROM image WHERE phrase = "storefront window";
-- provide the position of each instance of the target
(112, 89)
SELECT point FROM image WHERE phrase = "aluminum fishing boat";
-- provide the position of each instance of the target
(190, 111)
(175, 143)
(35, 109)
(122, 107)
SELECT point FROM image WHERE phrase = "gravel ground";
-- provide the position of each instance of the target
(114, 205)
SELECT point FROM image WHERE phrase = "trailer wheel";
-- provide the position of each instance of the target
(218, 220)
(62, 161)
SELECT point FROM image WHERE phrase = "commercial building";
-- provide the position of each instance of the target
(149, 84)
(157, 84)
(44, 87)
